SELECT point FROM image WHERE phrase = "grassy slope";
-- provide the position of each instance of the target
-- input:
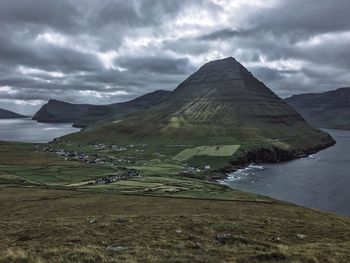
(53, 226)
(160, 217)
(172, 146)
(31, 164)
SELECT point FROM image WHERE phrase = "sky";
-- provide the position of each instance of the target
(100, 52)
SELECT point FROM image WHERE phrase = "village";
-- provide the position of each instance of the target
(117, 163)
(98, 159)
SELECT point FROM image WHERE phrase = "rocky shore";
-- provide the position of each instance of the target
(267, 155)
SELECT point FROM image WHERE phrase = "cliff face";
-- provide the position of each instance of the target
(6, 114)
(330, 109)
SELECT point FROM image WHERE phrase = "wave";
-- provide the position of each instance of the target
(242, 174)
(51, 129)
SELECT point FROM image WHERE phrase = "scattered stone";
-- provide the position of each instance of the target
(92, 221)
(122, 220)
(223, 239)
(191, 237)
(195, 245)
(276, 240)
(115, 248)
(301, 236)
(24, 238)
(179, 231)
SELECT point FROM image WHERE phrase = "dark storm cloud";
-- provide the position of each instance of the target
(220, 34)
(61, 15)
(157, 64)
(106, 51)
(135, 13)
(311, 16)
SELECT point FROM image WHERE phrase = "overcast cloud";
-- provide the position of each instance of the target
(92, 51)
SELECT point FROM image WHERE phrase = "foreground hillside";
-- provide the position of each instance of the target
(49, 214)
(330, 109)
(46, 225)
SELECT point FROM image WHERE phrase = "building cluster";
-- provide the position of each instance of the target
(94, 158)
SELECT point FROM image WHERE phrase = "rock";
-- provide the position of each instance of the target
(24, 238)
(121, 220)
(223, 239)
(115, 248)
(195, 245)
(92, 221)
(178, 231)
(301, 236)
(276, 240)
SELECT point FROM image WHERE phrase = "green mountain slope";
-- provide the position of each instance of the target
(330, 109)
(220, 104)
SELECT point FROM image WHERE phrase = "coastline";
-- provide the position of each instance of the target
(266, 155)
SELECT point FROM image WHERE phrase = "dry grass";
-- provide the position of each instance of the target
(47, 225)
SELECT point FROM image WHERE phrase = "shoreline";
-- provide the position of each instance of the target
(265, 155)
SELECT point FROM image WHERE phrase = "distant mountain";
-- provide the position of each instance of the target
(60, 111)
(330, 109)
(6, 114)
(83, 115)
(221, 103)
(97, 113)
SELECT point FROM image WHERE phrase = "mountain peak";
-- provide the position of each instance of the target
(225, 76)
(54, 101)
(223, 63)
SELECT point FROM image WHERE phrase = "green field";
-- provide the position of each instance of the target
(214, 150)
(27, 164)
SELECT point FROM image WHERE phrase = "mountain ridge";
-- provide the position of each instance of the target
(83, 115)
(330, 109)
(6, 114)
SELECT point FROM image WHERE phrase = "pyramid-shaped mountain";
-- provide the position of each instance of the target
(221, 103)
(223, 92)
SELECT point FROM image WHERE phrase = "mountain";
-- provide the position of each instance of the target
(6, 114)
(329, 109)
(83, 115)
(221, 103)
(60, 111)
(97, 113)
